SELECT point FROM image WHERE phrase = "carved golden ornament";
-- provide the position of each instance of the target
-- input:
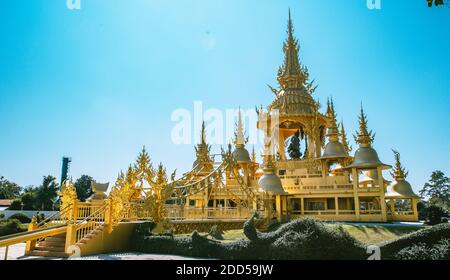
(68, 196)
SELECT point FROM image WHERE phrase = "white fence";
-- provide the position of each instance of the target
(29, 213)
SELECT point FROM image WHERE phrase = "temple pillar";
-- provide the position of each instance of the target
(336, 204)
(302, 206)
(382, 194)
(414, 209)
(355, 178)
(284, 207)
(278, 206)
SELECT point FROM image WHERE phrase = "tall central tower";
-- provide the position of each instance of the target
(294, 102)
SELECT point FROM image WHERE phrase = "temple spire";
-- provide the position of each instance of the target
(253, 154)
(291, 73)
(363, 137)
(240, 139)
(333, 132)
(344, 140)
(203, 134)
(399, 172)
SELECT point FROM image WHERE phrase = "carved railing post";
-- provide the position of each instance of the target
(108, 216)
(31, 244)
(71, 237)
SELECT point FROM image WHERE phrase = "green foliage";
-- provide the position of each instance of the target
(436, 213)
(301, 239)
(428, 236)
(83, 187)
(47, 193)
(10, 227)
(2, 216)
(437, 189)
(16, 204)
(422, 209)
(29, 200)
(216, 233)
(24, 219)
(422, 251)
(8, 189)
(294, 146)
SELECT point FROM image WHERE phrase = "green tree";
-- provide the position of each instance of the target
(294, 146)
(16, 204)
(8, 190)
(436, 3)
(437, 189)
(29, 198)
(83, 187)
(47, 193)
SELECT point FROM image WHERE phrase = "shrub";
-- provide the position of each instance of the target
(422, 251)
(301, 239)
(10, 227)
(428, 236)
(24, 219)
(2, 216)
(216, 233)
(435, 214)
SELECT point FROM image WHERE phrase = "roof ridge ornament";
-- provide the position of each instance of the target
(363, 137)
(399, 172)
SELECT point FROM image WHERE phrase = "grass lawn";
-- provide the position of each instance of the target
(368, 234)
(377, 234)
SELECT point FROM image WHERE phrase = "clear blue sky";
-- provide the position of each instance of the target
(98, 83)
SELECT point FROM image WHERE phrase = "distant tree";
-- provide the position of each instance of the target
(29, 198)
(436, 213)
(47, 193)
(16, 204)
(436, 3)
(294, 146)
(437, 189)
(8, 190)
(83, 187)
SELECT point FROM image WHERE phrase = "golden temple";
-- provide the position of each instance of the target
(326, 181)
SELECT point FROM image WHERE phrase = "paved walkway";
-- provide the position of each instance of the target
(15, 252)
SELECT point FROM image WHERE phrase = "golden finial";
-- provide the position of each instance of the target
(333, 132)
(363, 137)
(253, 154)
(344, 140)
(240, 139)
(161, 175)
(291, 73)
(203, 133)
(399, 172)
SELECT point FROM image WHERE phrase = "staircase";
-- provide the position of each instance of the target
(52, 246)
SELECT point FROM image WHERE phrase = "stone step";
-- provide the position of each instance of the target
(56, 239)
(52, 243)
(48, 254)
(50, 248)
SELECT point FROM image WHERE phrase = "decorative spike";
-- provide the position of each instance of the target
(291, 67)
(333, 132)
(363, 137)
(344, 140)
(399, 172)
(253, 154)
(203, 134)
(240, 139)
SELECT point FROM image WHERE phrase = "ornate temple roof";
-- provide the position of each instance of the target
(333, 149)
(365, 156)
(294, 96)
(240, 153)
(202, 151)
(400, 188)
